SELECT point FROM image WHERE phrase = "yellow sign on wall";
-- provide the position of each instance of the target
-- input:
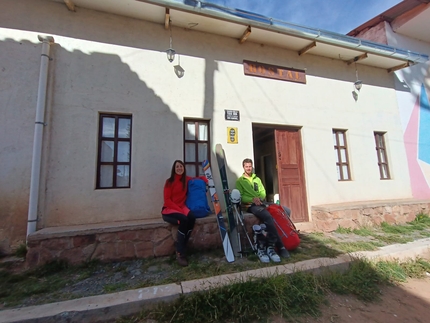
(232, 135)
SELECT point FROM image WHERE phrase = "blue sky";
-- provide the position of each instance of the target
(340, 16)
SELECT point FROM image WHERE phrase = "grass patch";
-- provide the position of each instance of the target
(343, 230)
(21, 251)
(47, 283)
(288, 296)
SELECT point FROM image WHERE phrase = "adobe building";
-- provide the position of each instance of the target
(93, 113)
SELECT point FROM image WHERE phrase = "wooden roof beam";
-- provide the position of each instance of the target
(357, 58)
(399, 67)
(306, 49)
(70, 5)
(245, 35)
(167, 19)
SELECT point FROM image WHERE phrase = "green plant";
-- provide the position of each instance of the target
(289, 296)
(343, 230)
(21, 251)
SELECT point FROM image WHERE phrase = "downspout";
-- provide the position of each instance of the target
(38, 134)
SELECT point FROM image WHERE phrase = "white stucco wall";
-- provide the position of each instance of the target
(107, 63)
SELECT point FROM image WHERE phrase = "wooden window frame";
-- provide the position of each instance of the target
(197, 164)
(116, 139)
(381, 150)
(338, 148)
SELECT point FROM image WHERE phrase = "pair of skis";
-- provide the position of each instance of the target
(231, 242)
(228, 250)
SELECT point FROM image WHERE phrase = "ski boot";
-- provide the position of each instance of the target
(260, 243)
(270, 250)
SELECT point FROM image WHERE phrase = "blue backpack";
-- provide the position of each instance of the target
(197, 200)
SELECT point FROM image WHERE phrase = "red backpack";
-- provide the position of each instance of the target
(285, 227)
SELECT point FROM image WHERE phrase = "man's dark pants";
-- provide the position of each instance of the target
(273, 238)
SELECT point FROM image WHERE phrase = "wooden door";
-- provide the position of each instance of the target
(291, 180)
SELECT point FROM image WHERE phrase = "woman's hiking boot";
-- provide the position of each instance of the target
(181, 259)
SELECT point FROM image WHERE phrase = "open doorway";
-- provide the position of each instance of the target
(278, 161)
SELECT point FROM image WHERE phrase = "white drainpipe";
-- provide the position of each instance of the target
(38, 134)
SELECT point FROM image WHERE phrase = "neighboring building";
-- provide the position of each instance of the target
(407, 25)
(118, 113)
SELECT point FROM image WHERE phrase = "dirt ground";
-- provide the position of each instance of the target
(406, 303)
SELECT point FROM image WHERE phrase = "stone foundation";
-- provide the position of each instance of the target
(355, 215)
(119, 241)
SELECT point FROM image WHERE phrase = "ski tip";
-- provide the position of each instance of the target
(205, 163)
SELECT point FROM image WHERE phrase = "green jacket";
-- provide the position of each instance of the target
(246, 189)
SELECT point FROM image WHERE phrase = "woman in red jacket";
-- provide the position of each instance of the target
(174, 209)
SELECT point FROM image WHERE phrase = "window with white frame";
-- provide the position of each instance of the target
(341, 155)
(114, 151)
(196, 145)
(381, 153)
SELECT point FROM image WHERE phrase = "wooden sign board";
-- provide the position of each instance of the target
(274, 72)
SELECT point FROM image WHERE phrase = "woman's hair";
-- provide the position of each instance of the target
(173, 173)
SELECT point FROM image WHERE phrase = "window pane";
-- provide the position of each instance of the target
(382, 156)
(190, 152)
(384, 171)
(190, 131)
(107, 151)
(106, 178)
(203, 152)
(191, 170)
(343, 155)
(122, 176)
(108, 127)
(124, 127)
(334, 138)
(345, 172)
(341, 141)
(123, 151)
(336, 155)
(203, 132)
(338, 172)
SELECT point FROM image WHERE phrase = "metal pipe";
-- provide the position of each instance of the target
(38, 134)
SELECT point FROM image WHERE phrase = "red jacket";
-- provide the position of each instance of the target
(175, 195)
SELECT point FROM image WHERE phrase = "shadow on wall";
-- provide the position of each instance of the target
(81, 86)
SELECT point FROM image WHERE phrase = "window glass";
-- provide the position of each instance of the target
(203, 152)
(124, 128)
(190, 152)
(107, 151)
(196, 144)
(203, 131)
(191, 170)
(122, 176)
(106, 175)
(114, 154)
(381, 153)
(345, 172)
(123, 151)
(341, 142)
(343, 155)
(108, 127)
(190, 131)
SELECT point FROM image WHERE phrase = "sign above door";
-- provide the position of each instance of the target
(274, 72)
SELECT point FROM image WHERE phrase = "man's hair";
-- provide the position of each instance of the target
(246, 161)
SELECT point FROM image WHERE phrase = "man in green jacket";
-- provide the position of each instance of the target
(253, 194)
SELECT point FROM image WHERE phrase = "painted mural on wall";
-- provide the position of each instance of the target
(417, 143)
